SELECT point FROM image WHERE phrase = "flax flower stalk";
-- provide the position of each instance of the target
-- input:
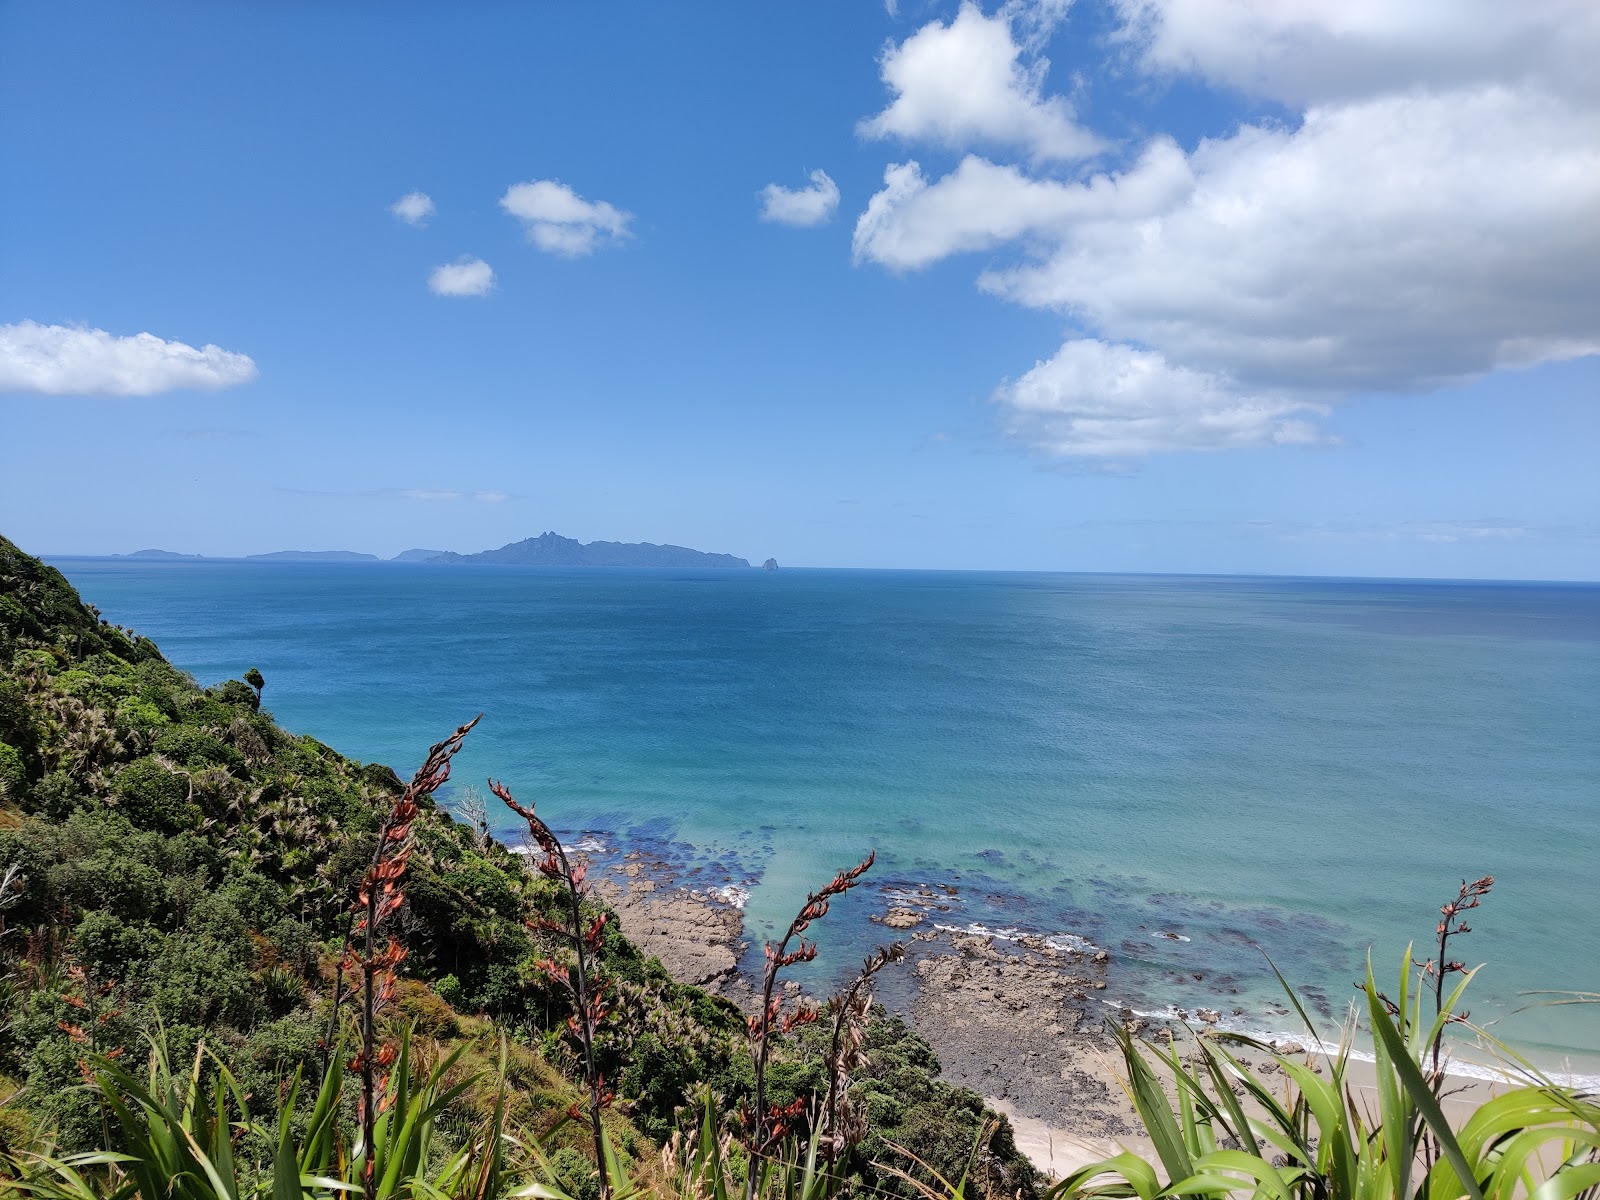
(842, 1125)
(765, 1127)
(586, 993)
(381, 895)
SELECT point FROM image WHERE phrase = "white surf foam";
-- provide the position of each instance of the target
(1056, 941)
(1277, 1039)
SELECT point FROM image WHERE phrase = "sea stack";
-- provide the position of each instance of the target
(770, 565)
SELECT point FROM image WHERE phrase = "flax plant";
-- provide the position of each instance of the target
(1228, 1131)
(381, 895)
(842, 1125)
(711, 1165)
(585, 991)
(767, 1127)
(191, 1136)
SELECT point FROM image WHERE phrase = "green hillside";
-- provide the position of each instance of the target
(175, 863)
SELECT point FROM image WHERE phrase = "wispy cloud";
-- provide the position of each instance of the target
(1360, 530)
(1484, 530)
(74, 360)
(452, 495)
(209, 435)
(425, 495)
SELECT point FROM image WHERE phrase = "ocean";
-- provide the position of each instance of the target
(1195, 773)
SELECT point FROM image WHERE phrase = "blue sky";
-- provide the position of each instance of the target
(1148, 285)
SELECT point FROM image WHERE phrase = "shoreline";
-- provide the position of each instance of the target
(1018, 1021)
(1024, 1020)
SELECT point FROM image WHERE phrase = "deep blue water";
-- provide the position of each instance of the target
(1303, 766)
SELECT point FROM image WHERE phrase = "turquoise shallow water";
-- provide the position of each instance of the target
(1305, 767)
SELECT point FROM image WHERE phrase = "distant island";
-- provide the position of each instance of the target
(553, 550)
(549, 549)
(313, 556)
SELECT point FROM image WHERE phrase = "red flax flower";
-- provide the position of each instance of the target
(584, 992)
(1450, 924)
(765, 1126)
(381, 895)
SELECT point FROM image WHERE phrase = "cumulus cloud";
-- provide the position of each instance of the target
(560, 221)
(966, 83)
(73, 360)
(801, 206)
(1389, 244)
(1431, 214)
(1306, 51)
(911, 223)
(1393, 243)
(1094, 399)
(467, 276)
(414, 208)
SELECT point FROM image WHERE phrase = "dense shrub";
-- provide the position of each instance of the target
(153, 797)
(13, 777)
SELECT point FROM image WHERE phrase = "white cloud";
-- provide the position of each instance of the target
(1304, 51)
(491, 497)
(1098, 400)
(64, 360)
(467, 276)
(801, 206)
(1388, 244)
(414, 208)
(979, 205)
(429, 494)
(560, 221)
(1430, 214)
(965, 83)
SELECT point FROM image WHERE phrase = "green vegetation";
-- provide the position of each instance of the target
(1226, 1130)
(178, 872)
